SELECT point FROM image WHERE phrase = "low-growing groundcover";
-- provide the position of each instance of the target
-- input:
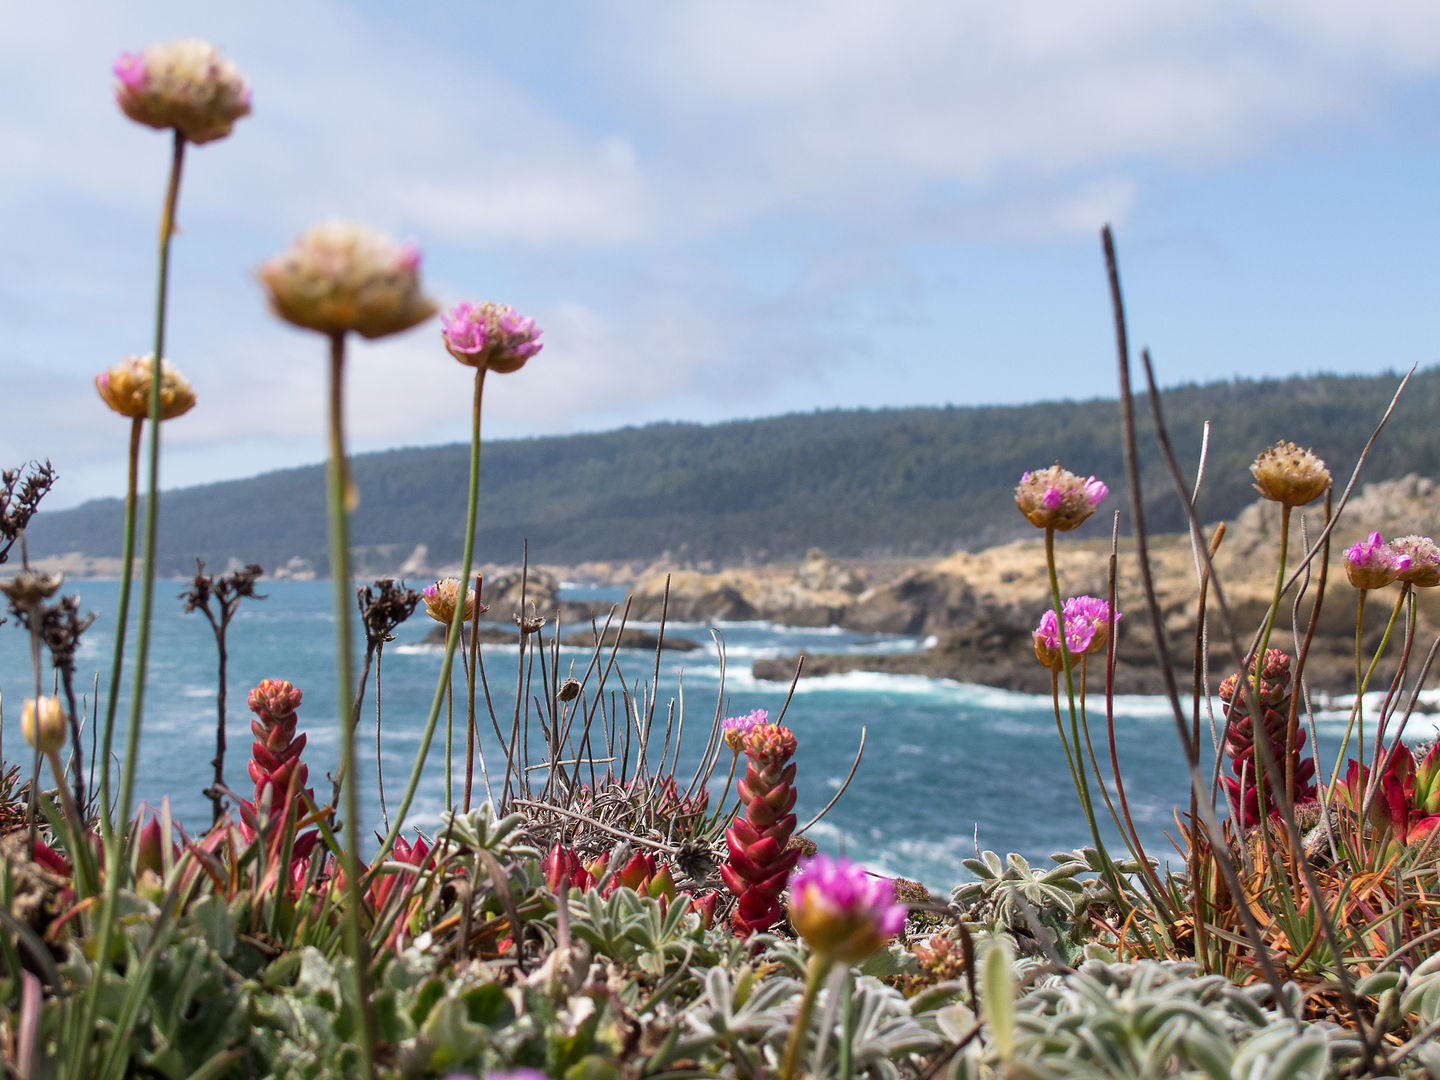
(607, 910)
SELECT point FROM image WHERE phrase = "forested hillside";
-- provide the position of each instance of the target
(854, 482)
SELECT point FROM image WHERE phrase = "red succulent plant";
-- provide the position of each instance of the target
(760, 860)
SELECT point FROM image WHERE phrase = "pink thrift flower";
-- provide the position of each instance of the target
(491, 336)
(1423, 568)
(130, 70)
(1056, 498)
(1087, 622)
(841, 911)
(185, 85)
(737, 727)
(1373, 564)
(442, 597)
(341, 276)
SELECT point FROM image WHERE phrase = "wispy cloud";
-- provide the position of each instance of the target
(712, 208)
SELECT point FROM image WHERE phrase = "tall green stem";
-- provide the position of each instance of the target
(450, 725)
(336, 475)
(114, 838)
(453, 637)
(122, 616)
(1363, 684)
(152, 496)
(1083, 786)
(795, 1046)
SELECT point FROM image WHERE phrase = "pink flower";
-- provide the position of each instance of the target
(842, 911)
(737, 727)
(1056, 498)
(1087, 622)
(491, 336)
(1423, 566)
(185, 85)
(1373, 564)
(130, 70)
(341, 276)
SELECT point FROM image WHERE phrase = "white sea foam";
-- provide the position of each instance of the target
(875, 681)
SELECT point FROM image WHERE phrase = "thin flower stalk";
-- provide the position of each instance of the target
(486, 337)
(122, 616)
(1362, 683)
(1083, 787)
(336, 477)
(471, 734)
(452, 637)
(844, 914)
(152, 500)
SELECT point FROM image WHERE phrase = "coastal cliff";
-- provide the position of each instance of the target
(981, 607)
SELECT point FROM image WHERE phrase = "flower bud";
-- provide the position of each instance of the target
(150, 849)
(769, 746)
(341, 276)
(1056, 498)
(126, 388)
(185, 85)
(490, 336)
(1285, 473)
(841, 911)
(44, 725)
(275, 699)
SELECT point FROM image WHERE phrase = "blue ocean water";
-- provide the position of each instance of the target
(946, 765)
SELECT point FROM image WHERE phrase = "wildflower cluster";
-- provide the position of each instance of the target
(1087, 629)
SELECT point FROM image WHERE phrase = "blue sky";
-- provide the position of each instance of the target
(719, 210)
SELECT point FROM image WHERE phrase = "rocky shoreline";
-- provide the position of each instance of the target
(981, 607)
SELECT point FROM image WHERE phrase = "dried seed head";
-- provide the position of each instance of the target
(185, 85)
(28, 590)
(126, 388)
(341, 276)
(1286, 474)
(441, 598)
(528, 624)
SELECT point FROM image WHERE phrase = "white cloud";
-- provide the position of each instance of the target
(725, 192)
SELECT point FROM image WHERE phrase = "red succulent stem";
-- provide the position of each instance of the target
(760, 857)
